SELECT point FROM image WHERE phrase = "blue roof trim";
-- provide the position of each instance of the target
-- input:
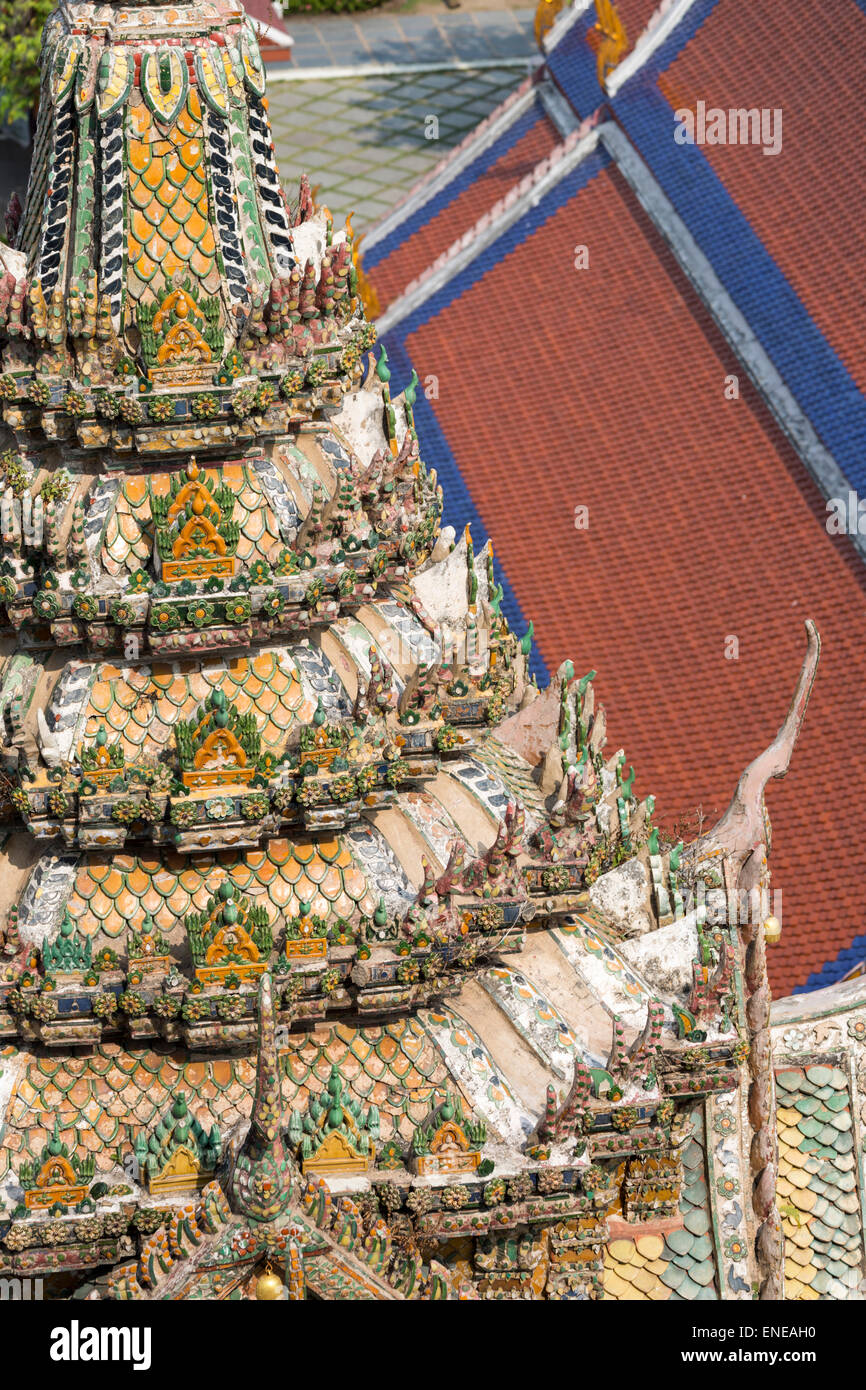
(572, 62)
(813, 372)
(451, 191)
(459, 507)
(673, 45)
(572, 66)
(459, 504)
(833, 970)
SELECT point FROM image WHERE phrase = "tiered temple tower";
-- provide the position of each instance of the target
(278, 792)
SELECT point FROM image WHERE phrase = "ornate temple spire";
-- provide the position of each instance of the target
(263, 1178)
(157, 251)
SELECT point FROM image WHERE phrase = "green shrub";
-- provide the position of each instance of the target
(326, 6)
(20, 38)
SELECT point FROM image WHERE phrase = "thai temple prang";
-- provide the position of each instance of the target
(341, 961)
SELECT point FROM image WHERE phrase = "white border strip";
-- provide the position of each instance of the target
(499, 121)
(768, 381)
(658, 30)
(470, 247)
(362, 70)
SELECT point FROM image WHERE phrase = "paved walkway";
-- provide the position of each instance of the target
(365, 141)
(452, 36)
(364, 138)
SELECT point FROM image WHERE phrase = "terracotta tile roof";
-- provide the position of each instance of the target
(456, 208)
(703, 525)
(806, 203)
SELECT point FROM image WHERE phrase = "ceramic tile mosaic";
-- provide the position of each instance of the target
(633, 1269)
(141, 706)
(127, 542)
(100, 1098)
(110, 891)
(817, 1184)
(534, 1017)
(169, 227)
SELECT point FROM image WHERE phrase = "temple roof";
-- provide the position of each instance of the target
(331, 940)
(690, 258)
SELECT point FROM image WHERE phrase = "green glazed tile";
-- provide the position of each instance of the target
(672, 1277)
(679, 1242)
(819, 1076)
(704, 1273)
(697, 1222)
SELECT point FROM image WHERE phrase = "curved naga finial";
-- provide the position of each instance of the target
(743, 838)
(744, 825)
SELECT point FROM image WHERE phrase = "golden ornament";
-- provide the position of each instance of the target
(772, 931)
(269, 1285)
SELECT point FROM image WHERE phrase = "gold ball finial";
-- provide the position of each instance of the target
(772, 931)
(269, 1285)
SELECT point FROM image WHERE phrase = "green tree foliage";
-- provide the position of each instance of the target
(20, 37)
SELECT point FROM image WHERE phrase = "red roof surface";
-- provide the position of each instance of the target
(396, 271)
(703, 524)
(809, 200)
